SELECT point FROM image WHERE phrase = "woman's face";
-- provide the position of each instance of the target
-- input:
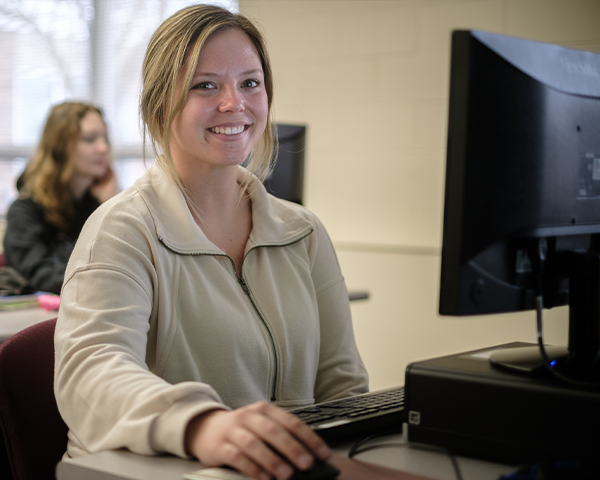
(226, 109)
(91, 152)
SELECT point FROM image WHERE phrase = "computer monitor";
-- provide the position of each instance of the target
(286, 181)
(522, 198)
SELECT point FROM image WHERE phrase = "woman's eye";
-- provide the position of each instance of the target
(203, 86)
(250, 83)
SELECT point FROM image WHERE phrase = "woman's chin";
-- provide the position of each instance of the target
(100, 172)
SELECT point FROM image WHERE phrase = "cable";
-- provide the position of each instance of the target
(539, 259)
(356, 449)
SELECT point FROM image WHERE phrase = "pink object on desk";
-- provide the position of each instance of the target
(49, 302)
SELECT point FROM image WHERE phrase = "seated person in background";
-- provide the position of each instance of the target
(196, 307)
(69, 176)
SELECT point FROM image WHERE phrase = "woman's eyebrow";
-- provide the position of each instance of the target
(253, 71)
(212, 74)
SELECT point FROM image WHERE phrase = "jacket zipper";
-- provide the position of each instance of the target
(247, 292)
(271, 338)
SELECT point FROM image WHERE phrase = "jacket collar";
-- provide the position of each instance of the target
(274, 222)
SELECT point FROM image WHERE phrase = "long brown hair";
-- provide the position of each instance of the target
(179, 39)
(46, 179)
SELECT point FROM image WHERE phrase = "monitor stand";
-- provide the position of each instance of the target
(579, 361)
(528, 360)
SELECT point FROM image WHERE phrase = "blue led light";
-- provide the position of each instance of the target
(552, 363)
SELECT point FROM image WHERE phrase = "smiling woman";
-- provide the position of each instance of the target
(222, 306)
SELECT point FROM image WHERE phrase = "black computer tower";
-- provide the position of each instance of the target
(463, 404)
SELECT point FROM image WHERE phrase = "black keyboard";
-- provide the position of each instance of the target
(355, 417)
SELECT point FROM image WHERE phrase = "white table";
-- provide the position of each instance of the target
(124, 465)
(13, 321)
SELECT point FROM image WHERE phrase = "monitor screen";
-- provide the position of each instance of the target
(286, 181)
(522, 198)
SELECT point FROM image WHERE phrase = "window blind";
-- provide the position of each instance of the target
(88, 50)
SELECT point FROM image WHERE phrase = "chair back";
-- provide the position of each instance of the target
(34, 433)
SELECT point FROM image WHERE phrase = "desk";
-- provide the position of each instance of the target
(13, 321)
(123, 465)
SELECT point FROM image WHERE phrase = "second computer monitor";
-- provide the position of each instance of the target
(286, 181)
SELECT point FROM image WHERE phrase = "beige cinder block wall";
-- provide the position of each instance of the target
(370, 79)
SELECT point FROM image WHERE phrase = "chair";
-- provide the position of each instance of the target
(34, 433)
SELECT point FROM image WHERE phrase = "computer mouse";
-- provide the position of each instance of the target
(321, 470)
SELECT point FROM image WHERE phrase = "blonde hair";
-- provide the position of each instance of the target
(46, 179)
(175, 46)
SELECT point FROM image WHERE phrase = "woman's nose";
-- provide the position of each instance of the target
(231, 100)
(102, 144)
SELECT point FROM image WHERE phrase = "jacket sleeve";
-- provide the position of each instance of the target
(31, 247)
(104, 389)
(341, 371)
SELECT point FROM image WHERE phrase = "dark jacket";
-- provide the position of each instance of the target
(37, 249)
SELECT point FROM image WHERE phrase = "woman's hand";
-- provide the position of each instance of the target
(260, 440)
(106, 187)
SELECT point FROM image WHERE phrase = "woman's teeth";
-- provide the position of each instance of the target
(228, 130)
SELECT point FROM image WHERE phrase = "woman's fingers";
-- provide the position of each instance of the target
(235, 458)
(260, 440)
(208, 438)
(308, 438)
(105, 187)
(221, 437)
(287, 434)
(257, 451)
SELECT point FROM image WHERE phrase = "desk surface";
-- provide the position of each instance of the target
(13, 321)
(115, 465)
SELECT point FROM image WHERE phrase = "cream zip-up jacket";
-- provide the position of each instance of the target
(155, 327)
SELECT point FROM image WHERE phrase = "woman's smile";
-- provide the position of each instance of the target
(228, 130)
